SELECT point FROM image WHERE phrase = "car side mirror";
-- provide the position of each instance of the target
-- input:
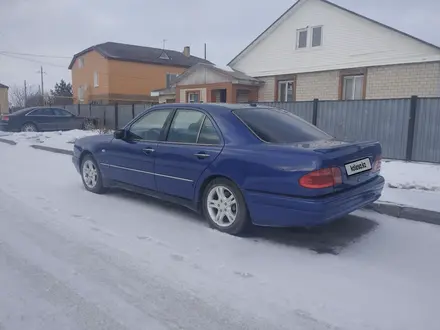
(119, 134)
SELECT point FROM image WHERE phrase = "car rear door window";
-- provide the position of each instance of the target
(150, 126)
(208, 133)
(185, 126)
(279, 126)
(42, 112)
(61, 112)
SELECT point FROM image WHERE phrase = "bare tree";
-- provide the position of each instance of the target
(21, 98)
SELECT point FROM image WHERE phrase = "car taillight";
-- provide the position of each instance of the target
(4, 118)
(324, 178)
(377, 165)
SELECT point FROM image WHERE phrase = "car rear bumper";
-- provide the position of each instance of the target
(4, 127)
(282, 211)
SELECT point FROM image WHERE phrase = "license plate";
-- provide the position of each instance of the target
(358, 166)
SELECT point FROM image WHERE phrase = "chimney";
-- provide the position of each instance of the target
(186, 51)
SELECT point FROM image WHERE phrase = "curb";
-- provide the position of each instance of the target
(406, 212)
(394, 210)
(10, 142)
(54, 150)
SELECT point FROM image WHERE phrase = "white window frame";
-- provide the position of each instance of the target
(96, 79)
(81, 93)
(80, 62)
(355, 78)
(286, 82)
(311, 35)
(297, 37)
(193, 93)
(170, 74)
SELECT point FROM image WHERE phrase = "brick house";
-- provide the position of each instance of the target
(208, 83)
(120, 73)
(4, 102)
(317, 49)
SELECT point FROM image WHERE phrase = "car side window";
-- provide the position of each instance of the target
(42, 112)
(150, 125)
(208, 133)
(185, 127)
(61, 112)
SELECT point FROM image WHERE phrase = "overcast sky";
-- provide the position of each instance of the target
(65, 27)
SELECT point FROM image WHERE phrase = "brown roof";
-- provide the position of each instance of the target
(141, 54)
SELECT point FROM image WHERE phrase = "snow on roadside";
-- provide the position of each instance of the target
(59, 139)
(411, 175)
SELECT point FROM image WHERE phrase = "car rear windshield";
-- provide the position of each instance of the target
(279, 126)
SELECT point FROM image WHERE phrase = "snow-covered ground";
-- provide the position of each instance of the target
(59, 139)
(70, 259)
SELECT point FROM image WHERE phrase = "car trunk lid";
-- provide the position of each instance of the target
(358, 162)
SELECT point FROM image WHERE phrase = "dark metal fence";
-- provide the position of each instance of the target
(408, 129)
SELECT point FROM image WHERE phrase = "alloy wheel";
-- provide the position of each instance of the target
(29, 128)
(222, 206)
(90, 174)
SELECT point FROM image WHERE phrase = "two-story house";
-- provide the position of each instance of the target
(4, 103)
(317, 49)
(120, 73)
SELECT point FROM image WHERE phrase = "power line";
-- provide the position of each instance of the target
(33, 55)
(34, 61)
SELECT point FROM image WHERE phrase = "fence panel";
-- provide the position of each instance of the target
(73, 108)
(124, 115)
(301, 109)
(139, 108)
(426, 145)
(383, 120)
(98, 112)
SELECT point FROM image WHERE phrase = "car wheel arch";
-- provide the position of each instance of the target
(83, 154)
(29, 123)
(205, 184)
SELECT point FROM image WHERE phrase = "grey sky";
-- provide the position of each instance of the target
(65, 27)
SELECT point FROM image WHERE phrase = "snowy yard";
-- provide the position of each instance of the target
(120, 261)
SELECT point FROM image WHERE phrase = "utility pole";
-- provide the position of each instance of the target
(25, 94)
(42, 73)
(205, 50)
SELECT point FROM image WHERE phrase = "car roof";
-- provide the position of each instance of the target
(211, 107)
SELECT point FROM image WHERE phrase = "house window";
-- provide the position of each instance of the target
(316, 36)
(81, 62)
(353, 87)
(170, 78)
(301, 38)
(285, 91)
(96, 79)
(193, 97)
(81, 93)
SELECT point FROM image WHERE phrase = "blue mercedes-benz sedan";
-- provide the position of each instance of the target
(236, 164)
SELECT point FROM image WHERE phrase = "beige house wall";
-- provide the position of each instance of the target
(4, 101)
(401, 81)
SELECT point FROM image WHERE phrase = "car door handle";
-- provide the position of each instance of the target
(201, 155)
(148, 150)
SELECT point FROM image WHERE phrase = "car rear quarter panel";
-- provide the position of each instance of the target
(266, 169)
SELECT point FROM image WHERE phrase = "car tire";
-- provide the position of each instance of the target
(29, 127)
(88, 125)
(217, 198)
(91, 175)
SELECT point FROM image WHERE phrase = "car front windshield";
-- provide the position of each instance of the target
(279, 126)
